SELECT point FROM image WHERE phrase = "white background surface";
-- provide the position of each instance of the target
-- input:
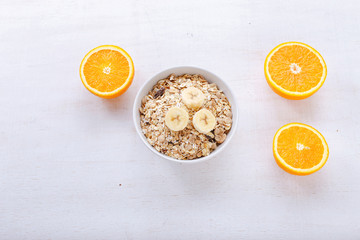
(64, 152)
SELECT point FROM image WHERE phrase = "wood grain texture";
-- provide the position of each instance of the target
(72, 166)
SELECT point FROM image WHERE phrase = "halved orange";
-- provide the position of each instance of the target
(300, 149)
(107, 71)
(295, 70)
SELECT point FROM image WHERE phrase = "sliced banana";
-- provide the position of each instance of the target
(176, 118)
(193, 97)
(204, 121)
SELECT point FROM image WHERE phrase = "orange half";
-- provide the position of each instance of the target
(300, 149)
(107, 71)
(295, 70)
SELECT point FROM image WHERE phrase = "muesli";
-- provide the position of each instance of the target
(185, 117)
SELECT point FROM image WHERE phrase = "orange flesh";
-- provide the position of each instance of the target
(106, 70)
(285, 57)
(300, 147)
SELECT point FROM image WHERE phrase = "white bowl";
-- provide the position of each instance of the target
(210, 77)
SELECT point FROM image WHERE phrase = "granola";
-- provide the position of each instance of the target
(188, 143)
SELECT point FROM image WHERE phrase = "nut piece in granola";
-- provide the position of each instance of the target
(176, 119)
(192, 97)
(204, 121)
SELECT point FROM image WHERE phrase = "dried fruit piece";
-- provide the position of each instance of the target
(159, 93)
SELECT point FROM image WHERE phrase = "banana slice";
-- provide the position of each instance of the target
(176, 119)
(193, 97)
(204, 121)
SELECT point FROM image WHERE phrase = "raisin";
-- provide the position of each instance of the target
(159, 93)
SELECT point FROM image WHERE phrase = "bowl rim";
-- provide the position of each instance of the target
(196, 160)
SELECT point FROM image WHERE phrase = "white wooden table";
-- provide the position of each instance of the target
(72, 166)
